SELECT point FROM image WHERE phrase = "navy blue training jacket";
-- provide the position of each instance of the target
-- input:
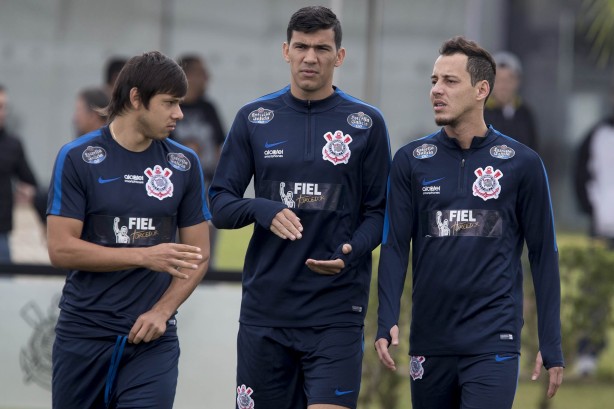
(467, 214)
(327, 161)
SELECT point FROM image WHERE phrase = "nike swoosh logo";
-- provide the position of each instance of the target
(430, 182)
(499, 358)
(270, 145)
(102, 181)
(341, 393)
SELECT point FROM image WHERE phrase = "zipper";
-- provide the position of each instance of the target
(461, 176)
(308, 140)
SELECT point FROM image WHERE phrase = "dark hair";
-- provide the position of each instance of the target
(151, 73)
(114, 66)
(314, 18)
(480, 64)
(2, 88)
(96, 99)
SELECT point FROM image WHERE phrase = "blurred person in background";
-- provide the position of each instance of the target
(112, 69)
(201, 128)
(505, 110)
(88, 116)
(17, 181)
(594, 187)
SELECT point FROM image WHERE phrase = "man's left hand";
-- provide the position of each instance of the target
(329, 267)
(555, 373)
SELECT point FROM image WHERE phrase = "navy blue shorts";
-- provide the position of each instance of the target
(477, 382)
(146, 375)
(290, 368)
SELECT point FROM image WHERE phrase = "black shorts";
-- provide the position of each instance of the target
(146, 375)
(290, 368)
(478, 381)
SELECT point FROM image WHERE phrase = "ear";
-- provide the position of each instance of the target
(135, 98)
(285, 49)
(340, 57)
(482, 90)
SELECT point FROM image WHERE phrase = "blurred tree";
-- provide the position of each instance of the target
(597, 21)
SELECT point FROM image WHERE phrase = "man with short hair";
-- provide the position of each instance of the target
(319, 159)
(467, 278)
(116, 340)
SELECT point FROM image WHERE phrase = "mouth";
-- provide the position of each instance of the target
(309, 73)
(438, 106)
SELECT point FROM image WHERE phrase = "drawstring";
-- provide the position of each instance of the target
(117, 355)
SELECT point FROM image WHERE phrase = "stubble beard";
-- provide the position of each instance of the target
(445, 121)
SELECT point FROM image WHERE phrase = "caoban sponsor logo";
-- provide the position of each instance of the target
(502, 152)
(360, 120)
(425, 151)
(94, 155)
(261, 116)
(179, 161)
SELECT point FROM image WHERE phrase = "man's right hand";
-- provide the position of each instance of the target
(287, 225)
(382, 345)
(171, 258)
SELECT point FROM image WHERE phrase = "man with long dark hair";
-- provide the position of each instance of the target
(116, 338)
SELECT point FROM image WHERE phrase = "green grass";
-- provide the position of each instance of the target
(571, 395)
(231, 248)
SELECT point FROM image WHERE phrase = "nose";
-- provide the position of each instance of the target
(177, 113)
(310, 55)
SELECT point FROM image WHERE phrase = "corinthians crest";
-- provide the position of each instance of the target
(244, 399)
(35, 357)
(337, 149)
(487, 184)
(159, 184)
(416, 370)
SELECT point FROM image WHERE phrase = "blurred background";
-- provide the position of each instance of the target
(52, 49)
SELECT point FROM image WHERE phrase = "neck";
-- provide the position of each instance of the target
(464, 133)
(126, 133)
(318, 95)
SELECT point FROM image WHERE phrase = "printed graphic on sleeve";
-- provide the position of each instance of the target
(303, 195)
(464, 222)
(360, 120)
(94, 155)
(261, 116)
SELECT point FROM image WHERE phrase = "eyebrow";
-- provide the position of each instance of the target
(320, 45)
(445, 76)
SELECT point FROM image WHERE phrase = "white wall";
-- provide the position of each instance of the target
(49, 49)
(207, 325)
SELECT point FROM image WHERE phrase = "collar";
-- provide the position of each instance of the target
(476, 143)
(321, 105)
